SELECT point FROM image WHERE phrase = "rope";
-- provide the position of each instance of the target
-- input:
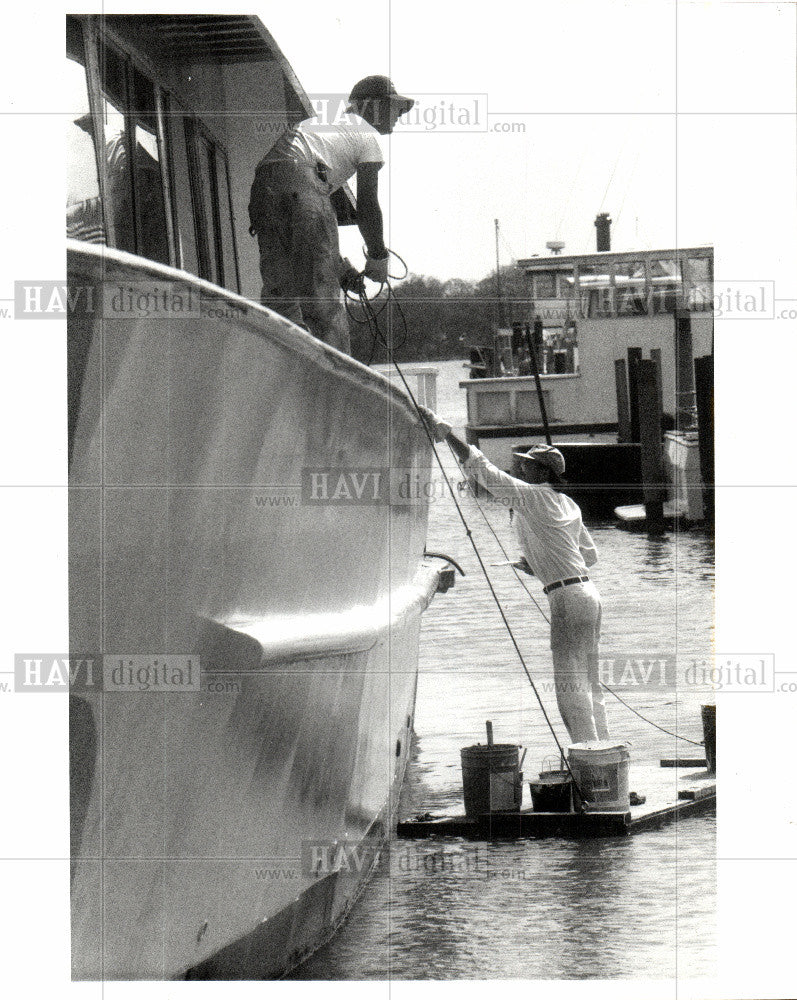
(655, 725)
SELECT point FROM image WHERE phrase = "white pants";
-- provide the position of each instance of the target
(575, 632)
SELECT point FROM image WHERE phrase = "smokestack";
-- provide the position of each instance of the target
(603, 225)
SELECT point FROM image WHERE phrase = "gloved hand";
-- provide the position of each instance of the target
(376, 268)
(438, 427)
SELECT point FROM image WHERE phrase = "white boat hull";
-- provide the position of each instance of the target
(194, 813)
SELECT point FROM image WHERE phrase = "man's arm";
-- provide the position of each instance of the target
(460, 449)
(587, 547)
(369, 214)
(499, 483)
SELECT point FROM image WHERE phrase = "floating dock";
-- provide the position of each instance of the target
(667, 794)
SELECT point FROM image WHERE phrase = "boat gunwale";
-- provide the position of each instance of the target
(283, 331)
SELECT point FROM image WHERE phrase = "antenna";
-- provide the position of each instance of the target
(498, 281)
(555, 246)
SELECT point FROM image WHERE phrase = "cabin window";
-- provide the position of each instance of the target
(630, 292)
(211, 207)
(665, 285)
(84, 220)
(135, 184)
(182, 205)
(151, 233)
(595, 285)
(567, 285)
(229, 253)
(699, 283)
(545, 285)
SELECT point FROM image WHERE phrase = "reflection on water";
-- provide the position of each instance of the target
(612, 908)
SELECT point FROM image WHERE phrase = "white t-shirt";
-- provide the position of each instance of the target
(548, 524)
(341, 146)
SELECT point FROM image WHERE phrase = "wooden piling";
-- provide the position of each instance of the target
(649, 421)
(634, 356)
(623, 406)
(655, 354)
(684, 372)
(704, 391)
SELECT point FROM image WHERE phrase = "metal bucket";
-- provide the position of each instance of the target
(552, 792)
(600, 769)
(491, 779)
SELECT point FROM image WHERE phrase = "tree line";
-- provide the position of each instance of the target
(434, 320)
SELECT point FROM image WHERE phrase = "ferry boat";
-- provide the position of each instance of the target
(254, 599)
(590, 314)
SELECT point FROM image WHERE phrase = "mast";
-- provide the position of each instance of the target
(498, 281)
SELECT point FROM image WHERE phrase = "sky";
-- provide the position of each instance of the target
(586, 96)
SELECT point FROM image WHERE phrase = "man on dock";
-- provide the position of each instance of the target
(559, 550)
(292, 216)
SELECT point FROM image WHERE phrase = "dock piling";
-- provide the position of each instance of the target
(634, 357)
(704, 391)
(623, 406)
(649, 421)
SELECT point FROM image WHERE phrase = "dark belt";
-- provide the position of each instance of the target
(565, 583)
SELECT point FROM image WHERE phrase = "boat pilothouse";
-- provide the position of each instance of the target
(587, 314)
(195, 417)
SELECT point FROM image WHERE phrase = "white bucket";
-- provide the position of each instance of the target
(601, 772)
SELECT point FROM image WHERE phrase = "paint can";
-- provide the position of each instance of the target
(491, 779)
(600, 769)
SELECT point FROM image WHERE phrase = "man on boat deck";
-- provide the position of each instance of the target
(292, 216)
(558, 549)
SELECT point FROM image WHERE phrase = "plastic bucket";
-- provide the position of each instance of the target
(552, 792)
(491, 778)
(600, 769)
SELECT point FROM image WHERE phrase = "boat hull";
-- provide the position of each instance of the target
(224, 829)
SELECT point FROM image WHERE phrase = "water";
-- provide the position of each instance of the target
(641, 907)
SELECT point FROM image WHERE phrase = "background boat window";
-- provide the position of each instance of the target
(84, 219)
(545, 285)
(630, 291)
(699, 283)
(566, 284)
(595, 286)
(665, 281)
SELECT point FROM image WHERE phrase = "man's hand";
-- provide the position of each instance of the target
(438, 427)
(350, 278)
(376, 268)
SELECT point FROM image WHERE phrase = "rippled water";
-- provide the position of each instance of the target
(638, 907)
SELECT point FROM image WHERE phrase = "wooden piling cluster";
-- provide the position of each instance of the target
(639, 418)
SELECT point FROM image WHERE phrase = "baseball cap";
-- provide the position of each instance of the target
(546, 455)
(372, 88)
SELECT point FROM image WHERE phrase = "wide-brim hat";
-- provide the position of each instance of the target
(548, 456)
(378, 88)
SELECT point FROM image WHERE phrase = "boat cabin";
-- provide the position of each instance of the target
(170, 115)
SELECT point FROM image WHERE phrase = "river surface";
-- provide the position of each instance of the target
(633, 908)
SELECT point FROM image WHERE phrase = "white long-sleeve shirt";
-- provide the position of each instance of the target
(548, 524)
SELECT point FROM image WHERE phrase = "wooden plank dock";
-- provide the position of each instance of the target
(669, 796)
